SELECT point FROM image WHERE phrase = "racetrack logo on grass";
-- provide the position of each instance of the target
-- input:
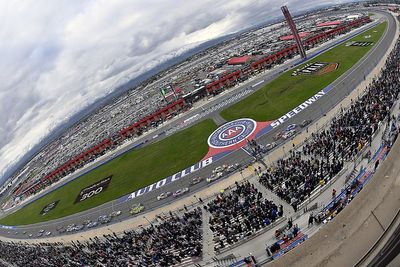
(232, 133)
(93, 190)
(49, 207)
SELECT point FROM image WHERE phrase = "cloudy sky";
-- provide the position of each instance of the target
(57, 57)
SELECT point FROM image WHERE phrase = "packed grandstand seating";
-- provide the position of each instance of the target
(240, 213)
(294, 178)
(167, 243)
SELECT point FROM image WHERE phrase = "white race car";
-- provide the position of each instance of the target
(291, 127)
(180, 192)
(214, 176)
(288, 134)
(164, 195)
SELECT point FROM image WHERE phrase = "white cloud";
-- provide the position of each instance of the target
(60, 56)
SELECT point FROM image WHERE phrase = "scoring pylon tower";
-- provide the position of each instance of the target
(293, 28)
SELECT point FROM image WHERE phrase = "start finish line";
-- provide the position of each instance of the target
(226, 139)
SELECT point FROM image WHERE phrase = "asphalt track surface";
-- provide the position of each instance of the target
(342, 87)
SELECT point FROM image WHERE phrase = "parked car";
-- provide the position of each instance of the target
(180, 192)
(164, 195)
(47, 233)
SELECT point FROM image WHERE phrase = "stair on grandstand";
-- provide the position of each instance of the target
(208, 243)
(352, 175)
(268, 194)
(226, 261)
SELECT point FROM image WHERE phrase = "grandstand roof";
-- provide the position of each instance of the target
(238, 60)
(290, 37)
(329, 23)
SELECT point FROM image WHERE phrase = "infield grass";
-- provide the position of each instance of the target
(287, 92)
(131, 171)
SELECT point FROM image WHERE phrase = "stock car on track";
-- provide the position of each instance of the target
(270, 146)
(115, 213)
(136, 209)
(164, 195)
(180, 192)
(305, 123)
(289, 134)
(214, 177)
(278, 136)
(92, 224)
(79, 227)
(196, 180)
(103, 219)
(291, 127)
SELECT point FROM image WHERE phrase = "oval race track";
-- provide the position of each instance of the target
(341, 88)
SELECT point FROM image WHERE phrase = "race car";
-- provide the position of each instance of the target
(136, 209)
(270, 146)
(103, 219)
(180, 192)
(305, 123)
(115, 213)
(79, 227)
(164, 195)
(278, 136)
(291, 127)
(288, 134)
(196, 180)
(214, 177)
(233, 167)
(92, 224)
(220, 169)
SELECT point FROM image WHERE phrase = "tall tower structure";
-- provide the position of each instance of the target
(293, 28)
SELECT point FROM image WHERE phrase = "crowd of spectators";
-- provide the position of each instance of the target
(240, 213)
(294, 178)
(166, 243)
(323, 155)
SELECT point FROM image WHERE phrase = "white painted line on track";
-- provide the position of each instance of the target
(260, 82)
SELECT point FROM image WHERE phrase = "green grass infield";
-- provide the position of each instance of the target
(287, 92)
(131, 171)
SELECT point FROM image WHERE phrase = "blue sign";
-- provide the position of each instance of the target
(232, 133)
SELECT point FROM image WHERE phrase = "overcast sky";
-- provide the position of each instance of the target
(57, 57)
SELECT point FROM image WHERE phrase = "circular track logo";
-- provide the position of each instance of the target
(232, 133)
